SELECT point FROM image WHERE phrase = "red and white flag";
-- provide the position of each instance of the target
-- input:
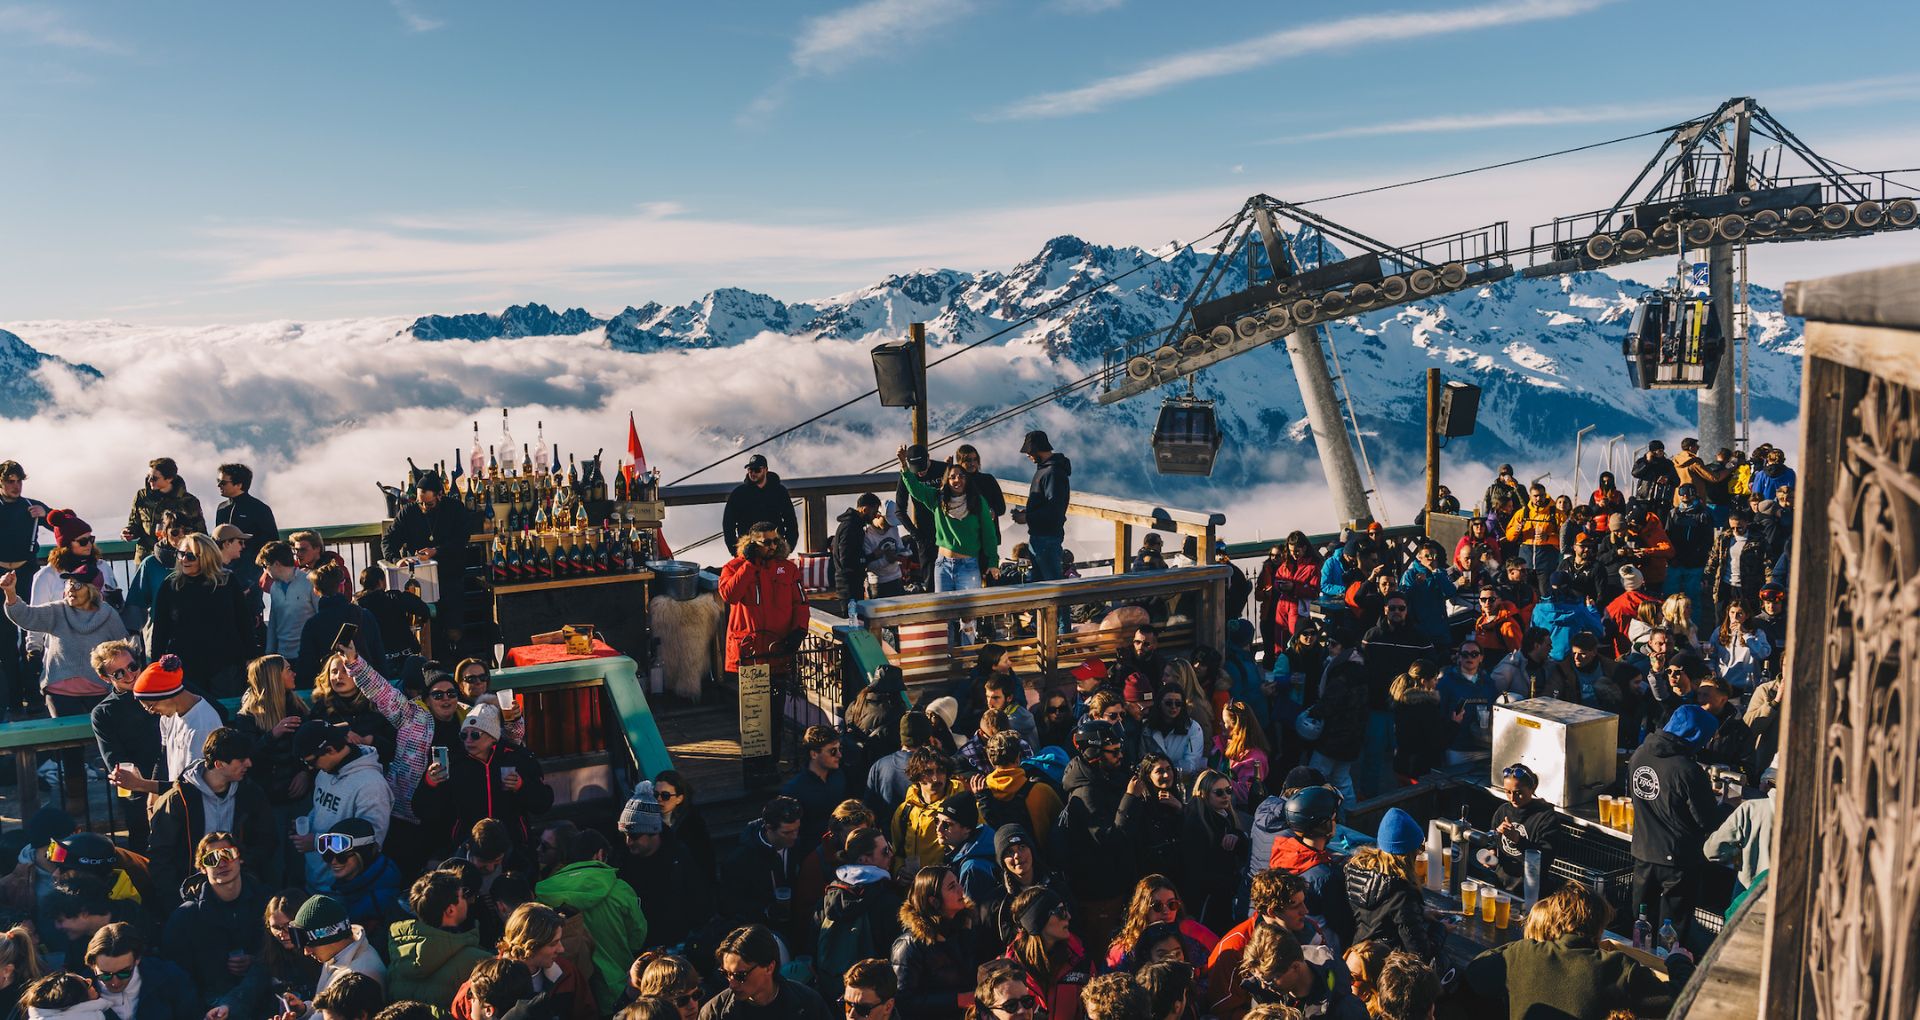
(639, 466)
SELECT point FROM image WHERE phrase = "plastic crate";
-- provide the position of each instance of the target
(1597, 861)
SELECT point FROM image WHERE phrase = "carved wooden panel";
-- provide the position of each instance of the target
(1857, 754)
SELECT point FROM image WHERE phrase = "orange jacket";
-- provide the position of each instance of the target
(1536, 525)
(765, 605)
(1656, 549)
(1499, 631)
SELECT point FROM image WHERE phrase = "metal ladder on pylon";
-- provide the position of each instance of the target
(1742, 380)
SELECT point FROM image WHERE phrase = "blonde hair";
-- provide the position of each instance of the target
(1417, 677)
(323, 693)
(1677, 611)
(266, 699)
(1372, 858)
(1245, 733)
(530, 927)
(1138, 908)
(1365, 961)
(1573, 909)
(207, 554)
(658, 973)
(17, 950)
(104, 652)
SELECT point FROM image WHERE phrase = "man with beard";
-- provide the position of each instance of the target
(1655, 476)
(920, 516)
(675, 890)
(1045, 514)
(435, 528)
(1141, 668)
(760, 498)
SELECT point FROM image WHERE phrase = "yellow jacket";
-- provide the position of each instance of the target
(1536, 525)
(916, 834)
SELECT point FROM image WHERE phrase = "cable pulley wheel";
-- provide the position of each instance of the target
(1665, 235)
(1393, 288)
(1600, 247)
(1800, 219)
(1452, 275)
(1633, 240)
(1868, 214)
(1766, 223)
(1699, 232)
(1139, 367)
(1835, 216)
(1246, 328)
(1194, 343)
(1303, 310)
(1422, 281)
(1731, 227)
(1365, 294)
(1276, 320)
(1902, 212)
(1333, 302)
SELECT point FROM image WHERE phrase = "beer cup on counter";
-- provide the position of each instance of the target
(1469, 895)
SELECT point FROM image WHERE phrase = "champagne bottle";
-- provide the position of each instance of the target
(475, 466)
(499, 561)
(493, 461)
(506, 436)
(597, 485)
(526, 461)
(616, 553)
(620, 481)
(540, 447)
(573, 475)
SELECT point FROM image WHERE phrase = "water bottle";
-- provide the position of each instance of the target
(1642, 931)
(1669, 939)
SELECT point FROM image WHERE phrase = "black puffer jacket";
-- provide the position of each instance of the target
(205, 928)
(1387, 907)
(751, 504)
(1100, 847)
(1674, 803)
(1153, 824)
(1422, 731)
(1342, 706)
(210, 628)
(850, 554)
(1211, 873)
(933, 975)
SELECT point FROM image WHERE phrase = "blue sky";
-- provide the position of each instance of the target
(245, 161)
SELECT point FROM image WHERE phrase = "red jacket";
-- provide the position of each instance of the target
(1293, 582)
(765, 605)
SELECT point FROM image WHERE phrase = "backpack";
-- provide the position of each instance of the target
(996, 811)
(842, 943)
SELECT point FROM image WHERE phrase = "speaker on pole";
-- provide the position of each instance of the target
(1459, 405)
(895, 374)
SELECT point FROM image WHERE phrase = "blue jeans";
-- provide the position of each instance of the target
(1376, 755)
(1339, 776)
(1541, 559)
(1046, 556)
(955, 573)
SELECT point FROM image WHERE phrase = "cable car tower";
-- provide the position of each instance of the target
(1707, 189)
(1291, 285)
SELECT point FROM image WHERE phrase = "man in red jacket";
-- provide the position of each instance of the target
(767, 611)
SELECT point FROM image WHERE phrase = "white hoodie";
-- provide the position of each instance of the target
(358, 790)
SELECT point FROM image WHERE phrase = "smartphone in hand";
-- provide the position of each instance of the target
(348, 632)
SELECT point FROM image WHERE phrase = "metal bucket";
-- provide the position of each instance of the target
(677, 579)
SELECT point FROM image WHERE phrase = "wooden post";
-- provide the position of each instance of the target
(917, 332)
(1047, 621)
(1122, 545)
(813, 523)
(1433, 438)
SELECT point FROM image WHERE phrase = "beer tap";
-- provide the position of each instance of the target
(1443, 834)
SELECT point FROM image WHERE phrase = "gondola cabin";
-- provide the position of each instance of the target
(1186, 437)
(1673, 343)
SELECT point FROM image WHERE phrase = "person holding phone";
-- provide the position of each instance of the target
(422, 735)
(490, 778)
(336, 621)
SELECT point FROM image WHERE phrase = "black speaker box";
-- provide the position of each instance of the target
(896, 374)
(1459, 404)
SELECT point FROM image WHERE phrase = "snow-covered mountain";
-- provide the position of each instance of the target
(321, 409)
(25, 374)
(1545, 352)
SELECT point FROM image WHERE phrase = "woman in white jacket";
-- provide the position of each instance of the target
(1177, 734)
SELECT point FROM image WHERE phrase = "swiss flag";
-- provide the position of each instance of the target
(639, 466)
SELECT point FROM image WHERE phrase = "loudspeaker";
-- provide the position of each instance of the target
(896, 374)
(1459, 404)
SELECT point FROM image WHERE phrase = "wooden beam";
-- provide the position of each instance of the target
(1122, 546)
(1892, 354)
(1874, 297)
(1132, 511)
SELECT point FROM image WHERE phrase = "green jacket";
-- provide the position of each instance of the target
(613, 917)
(430, 964)
(978, 535)
(1569, 977)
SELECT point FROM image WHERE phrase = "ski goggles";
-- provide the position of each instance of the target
(60, 854)
(219, 855)
(333, 844)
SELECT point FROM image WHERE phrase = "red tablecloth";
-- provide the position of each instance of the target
(540, 655)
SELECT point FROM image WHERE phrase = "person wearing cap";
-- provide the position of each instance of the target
(71, 629)
(760, 497)
(917, 518)
(186, 720)
(243, 510)
(1655, 477)
(1386, 904)
(1624, 610)
(347, 783)
(1677, 684)
(1048, 496)
(323, 931)
(1151, 555)
(767, 610)
(1022, 866)
(887, 778)
(1587, 677)
(488, 778)
(866, 542)
(1675, 807)
(1099, 845)
(1504, 486)
(676, 890)
(436, 528)
(201, 614)
(1653, 550)
(967, 846)
(209, 797)
(1747, 834)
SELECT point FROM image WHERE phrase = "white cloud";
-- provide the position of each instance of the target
(1235, 58)
(416, 21)
(831, 42)
(1858, 92)
(1085, 6)
(45, 26)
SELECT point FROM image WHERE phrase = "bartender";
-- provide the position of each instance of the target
(1523, 823)
(435, 528)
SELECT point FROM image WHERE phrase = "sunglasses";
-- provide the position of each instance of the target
(219, 855)
(665, 795)
(1171, 906)
(83, 540)
(1023, 1004)
(1516, 771)
(1469, 655)
(443, 694)
(1396, 609)
(1221, 792)
(187, 556)
(739, 976)
(472, 735)
(861, 1008)
(685, 998)
(114, 975)
(118, 674)
(471, 677)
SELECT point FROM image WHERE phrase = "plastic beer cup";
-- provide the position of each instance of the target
(1489, 905)
(1628, 813)
(1469, 895)
(1420, 868)
(1503, 914)
(1606, 811)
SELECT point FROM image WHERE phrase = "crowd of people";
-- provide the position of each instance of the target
(1149, 836)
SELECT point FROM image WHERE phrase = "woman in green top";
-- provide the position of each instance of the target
(963, 527)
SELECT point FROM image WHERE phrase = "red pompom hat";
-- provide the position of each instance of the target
(161, 680)
(67, 526)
